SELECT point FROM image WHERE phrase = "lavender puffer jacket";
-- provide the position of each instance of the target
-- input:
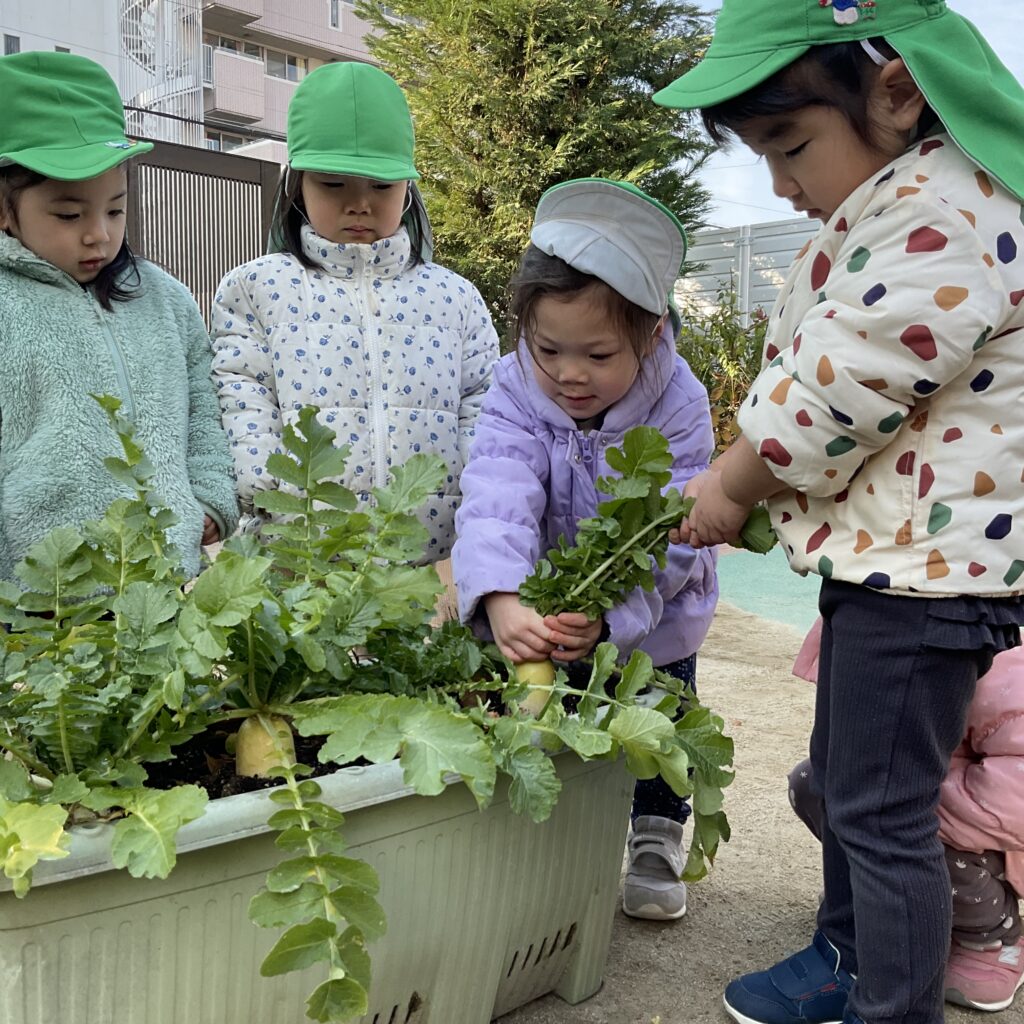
(532, 476)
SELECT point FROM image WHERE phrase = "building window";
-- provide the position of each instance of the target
(12, 44)
(234, 45)
(62, 49)
(285, 65)
(335, 21)
(224, 141)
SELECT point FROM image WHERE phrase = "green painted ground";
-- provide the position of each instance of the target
(766, 586)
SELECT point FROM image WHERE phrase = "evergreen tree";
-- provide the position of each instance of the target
(512, 96)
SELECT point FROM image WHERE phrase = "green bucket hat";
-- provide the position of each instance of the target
(351, 118)
(978, 100)
(62, 117)
(616, 232)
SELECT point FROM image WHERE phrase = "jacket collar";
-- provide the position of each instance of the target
(632, 409)
(385, 258)
(16, 258)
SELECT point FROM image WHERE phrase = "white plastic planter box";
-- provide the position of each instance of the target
(486, 911)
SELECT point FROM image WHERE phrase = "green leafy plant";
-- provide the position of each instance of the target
(723, 348)
(322, 629)
(612, 554)
(90, 684)
(617, 550)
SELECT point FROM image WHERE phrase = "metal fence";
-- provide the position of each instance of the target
(753, 261)
(198, 213)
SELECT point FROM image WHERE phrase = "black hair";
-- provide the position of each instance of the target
(836, 75)
(540, 275)
(114, 283)
(290, 215)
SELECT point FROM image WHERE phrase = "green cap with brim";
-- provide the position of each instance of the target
(977, 98)
(62, 116)
(615, 232)
(351, 118)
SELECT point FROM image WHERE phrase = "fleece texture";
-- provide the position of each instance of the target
(153, 353)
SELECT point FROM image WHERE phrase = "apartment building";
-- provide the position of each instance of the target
(216, 74)
(254, 54)
(88, 28)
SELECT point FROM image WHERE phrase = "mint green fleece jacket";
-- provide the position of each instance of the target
(57, 347)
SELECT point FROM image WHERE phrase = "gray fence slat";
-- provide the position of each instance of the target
(198, 212)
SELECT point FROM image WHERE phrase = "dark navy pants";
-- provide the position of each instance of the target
(654, 796)
(896, 675)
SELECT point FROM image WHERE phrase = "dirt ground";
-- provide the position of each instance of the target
(758, 904)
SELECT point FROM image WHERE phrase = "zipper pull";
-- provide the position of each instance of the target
(588, 455)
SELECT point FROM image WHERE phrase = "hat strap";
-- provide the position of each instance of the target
(875, 56)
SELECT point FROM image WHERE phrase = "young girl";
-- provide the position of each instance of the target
(886, 429)
(79, 316)
(351, 316)
(981, 826)
(596, 356)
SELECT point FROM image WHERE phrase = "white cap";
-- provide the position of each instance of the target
(615, 232)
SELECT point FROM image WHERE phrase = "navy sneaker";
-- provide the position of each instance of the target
(808, 988)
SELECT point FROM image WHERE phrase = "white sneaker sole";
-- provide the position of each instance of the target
(957, 998)
(742, 1018)
(652, 912)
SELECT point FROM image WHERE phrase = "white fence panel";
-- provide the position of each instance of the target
(752, 260)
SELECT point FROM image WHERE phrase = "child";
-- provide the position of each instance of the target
(886, 430)
(351, 316)
(596, 356)
(81, 316)
(981, 825)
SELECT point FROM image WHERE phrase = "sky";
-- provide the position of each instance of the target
(740, 186)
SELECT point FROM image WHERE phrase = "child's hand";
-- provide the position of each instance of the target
(574, 633)
(519, 632)
(683, 534)
(211, 531)
(715, 518)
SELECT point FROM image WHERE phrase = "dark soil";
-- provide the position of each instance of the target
(205, 761)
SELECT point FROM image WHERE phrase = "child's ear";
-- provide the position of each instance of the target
(652, 341)
(901, 102)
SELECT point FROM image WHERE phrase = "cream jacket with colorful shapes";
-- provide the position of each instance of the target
(892, 399)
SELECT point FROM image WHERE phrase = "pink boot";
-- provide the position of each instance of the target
(984, 979)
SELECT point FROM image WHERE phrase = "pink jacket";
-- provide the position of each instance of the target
(981, 806)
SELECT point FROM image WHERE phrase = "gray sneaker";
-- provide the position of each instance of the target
(654, 889)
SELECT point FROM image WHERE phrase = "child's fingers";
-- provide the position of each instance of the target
(572, 622)
(685, 534)
(572, 641)
(522, 651)
(566, 655)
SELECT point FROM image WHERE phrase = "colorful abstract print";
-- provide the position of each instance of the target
(892, 397)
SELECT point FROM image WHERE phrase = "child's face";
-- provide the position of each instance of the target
(344, 208)
(78, 226)
(581, 361)
(816, 158)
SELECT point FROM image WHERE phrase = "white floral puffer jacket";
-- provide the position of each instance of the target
(398, 359)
